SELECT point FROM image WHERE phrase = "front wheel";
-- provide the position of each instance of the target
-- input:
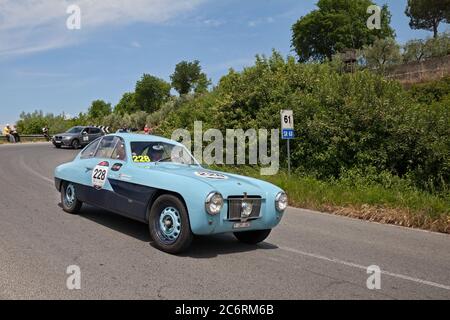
(76, 144)
(169, 225)
(252, 237)
(69, 200)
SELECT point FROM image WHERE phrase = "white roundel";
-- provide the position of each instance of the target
(211, 175)
(99, 176)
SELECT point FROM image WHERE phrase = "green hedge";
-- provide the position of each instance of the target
(343, 121)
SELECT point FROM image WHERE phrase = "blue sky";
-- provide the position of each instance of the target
(48, 67)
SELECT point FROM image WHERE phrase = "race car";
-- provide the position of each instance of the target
(157, 181)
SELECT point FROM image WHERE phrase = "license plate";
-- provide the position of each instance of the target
(241, 225)
(57, 141)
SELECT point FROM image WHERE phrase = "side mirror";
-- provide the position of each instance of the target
(84, 133)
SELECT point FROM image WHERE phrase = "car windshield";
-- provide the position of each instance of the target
(148, 152)
(75, 130)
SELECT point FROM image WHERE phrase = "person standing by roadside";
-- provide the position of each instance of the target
(147, 130)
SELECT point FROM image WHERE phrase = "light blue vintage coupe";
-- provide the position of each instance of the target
(157, 181)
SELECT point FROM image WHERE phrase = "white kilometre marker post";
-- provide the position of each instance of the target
(287, 132)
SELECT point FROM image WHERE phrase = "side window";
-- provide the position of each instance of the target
(94, 131)
(106, 148)
(89, 151)
(119, 152)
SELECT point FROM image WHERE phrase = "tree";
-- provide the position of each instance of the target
(428, 14)
(418, 50)
(127, 104)
(382, 54)
(98, 109)
(151, 92)
(188, 76)
(415, 51)
(337, 25)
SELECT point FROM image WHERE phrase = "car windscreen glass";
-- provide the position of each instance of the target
(154, 151)
(75, 130)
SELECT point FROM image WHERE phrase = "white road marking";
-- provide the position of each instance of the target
(354, 265)
(28, 168)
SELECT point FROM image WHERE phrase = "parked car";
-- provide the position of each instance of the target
(77, 137)
(158, 182)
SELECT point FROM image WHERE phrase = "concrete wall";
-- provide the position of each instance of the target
(416, 72)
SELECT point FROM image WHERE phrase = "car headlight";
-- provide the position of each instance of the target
(214, 203)
(281, 201)
(246, 208)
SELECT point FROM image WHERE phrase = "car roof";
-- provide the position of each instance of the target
(135, 137)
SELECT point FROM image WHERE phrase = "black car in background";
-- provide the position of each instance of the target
(77, 137)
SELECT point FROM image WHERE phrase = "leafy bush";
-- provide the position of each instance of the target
(344, 121)
(430, 92)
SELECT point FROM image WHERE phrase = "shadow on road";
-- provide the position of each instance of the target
(216, 245)
(201, 248)
(116, 222)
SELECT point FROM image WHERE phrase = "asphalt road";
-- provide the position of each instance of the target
(309, 256)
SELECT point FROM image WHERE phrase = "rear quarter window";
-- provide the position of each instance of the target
(89, 151)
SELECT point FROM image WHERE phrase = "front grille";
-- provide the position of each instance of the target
(235, 206)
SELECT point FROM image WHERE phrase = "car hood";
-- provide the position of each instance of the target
(225, 183)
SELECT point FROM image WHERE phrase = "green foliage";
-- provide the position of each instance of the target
(151, 92)
(32, 123)
(438, 46)
(99, 109)
(419, 50)
(188, 77)
(377, 196)
(382, 54)
(415, 51)
(127, 104)
(341, 24)
(343, 121)
(430, 92)
(428, 14)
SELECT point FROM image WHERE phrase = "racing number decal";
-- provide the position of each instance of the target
(99, 175)
(141, 159)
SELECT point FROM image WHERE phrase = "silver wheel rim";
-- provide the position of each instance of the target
(69, 197)
(169, 225)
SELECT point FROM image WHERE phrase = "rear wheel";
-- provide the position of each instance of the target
(69, 200)
(252, 237)
(76, 144)
(169, 225)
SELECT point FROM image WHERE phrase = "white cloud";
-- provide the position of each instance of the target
(28, 26)
(254, 23)
(136, 44)
(213, 22)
